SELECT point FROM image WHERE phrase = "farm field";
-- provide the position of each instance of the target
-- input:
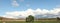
(34, 21)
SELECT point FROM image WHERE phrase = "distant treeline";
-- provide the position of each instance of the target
(34, 19)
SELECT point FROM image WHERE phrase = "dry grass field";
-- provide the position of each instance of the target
(36, 21)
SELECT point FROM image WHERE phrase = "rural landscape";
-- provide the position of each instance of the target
(29, 11)
(40, 20)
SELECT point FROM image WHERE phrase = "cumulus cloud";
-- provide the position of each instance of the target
(46, 13)
(14, 3)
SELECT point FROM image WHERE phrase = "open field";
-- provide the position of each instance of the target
(41, 21)
(34, 22)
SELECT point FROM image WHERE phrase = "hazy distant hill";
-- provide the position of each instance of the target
(3, 18)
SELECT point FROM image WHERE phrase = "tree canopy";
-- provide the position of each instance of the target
(30, 18)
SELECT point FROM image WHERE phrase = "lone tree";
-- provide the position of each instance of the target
(30, 19)
(58, 18)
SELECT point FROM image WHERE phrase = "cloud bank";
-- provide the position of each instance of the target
(38, 12)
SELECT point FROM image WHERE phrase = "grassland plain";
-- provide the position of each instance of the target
(33, 22)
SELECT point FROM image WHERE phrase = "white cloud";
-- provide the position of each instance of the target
(27, 12)
(14, 3)
(55, 11)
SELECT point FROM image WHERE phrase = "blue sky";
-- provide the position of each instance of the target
(6, 5)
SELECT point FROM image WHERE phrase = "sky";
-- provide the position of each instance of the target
(21, 7)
